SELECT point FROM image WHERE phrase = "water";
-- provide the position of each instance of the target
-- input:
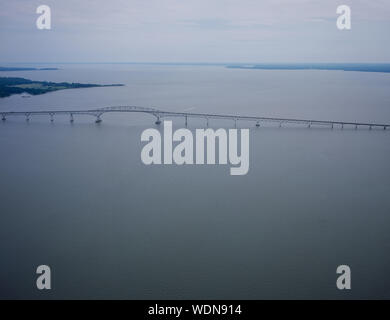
(78, 198)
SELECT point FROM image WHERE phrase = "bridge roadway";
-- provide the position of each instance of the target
(159, 114)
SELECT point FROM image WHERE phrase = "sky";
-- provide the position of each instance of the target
(194, 31)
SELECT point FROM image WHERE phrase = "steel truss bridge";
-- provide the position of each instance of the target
(159, 114)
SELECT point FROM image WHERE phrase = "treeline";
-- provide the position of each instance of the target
(25, 69)
(10, 85)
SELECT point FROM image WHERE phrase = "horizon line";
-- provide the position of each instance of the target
(187, 62)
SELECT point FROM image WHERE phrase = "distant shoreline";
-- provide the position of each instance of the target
(360, 67)
(25, 69)
(337, 66)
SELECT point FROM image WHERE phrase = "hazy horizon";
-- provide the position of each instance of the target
(192, 62)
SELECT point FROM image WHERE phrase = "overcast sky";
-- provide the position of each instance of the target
(194, 31)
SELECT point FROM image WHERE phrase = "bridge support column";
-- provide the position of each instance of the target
(309, 126)
(207, 122)
(280, 124)
(3, 117)
(98, 119)
(27, 117)
(51, 117)
(235, 123)
(384, 127)
(158, 121)
(342, 126)
(356, 126)
(71, 118)
(258, 124)
(186, 121)
(370, 127)
(332, 125)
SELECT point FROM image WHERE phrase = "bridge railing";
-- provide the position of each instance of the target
(127, 109)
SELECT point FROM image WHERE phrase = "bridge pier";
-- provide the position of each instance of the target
(186, 121)
(370, 128)
(51, 117)
(235, 123)
(258, 124)
(342, 126)
(309, 126)
(27, 117)
(158, 121)
(356, 126)
(207, 122)
(3, 117)
(71, 118)
(384, 127)
(332, 125)
(280, 124)
(98, 119)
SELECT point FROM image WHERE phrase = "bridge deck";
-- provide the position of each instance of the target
(161, 114)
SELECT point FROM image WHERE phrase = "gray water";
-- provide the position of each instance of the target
(78, 198)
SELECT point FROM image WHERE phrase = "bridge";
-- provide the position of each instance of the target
(159, 114)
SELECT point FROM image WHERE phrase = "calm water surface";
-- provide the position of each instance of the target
(78, 198)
